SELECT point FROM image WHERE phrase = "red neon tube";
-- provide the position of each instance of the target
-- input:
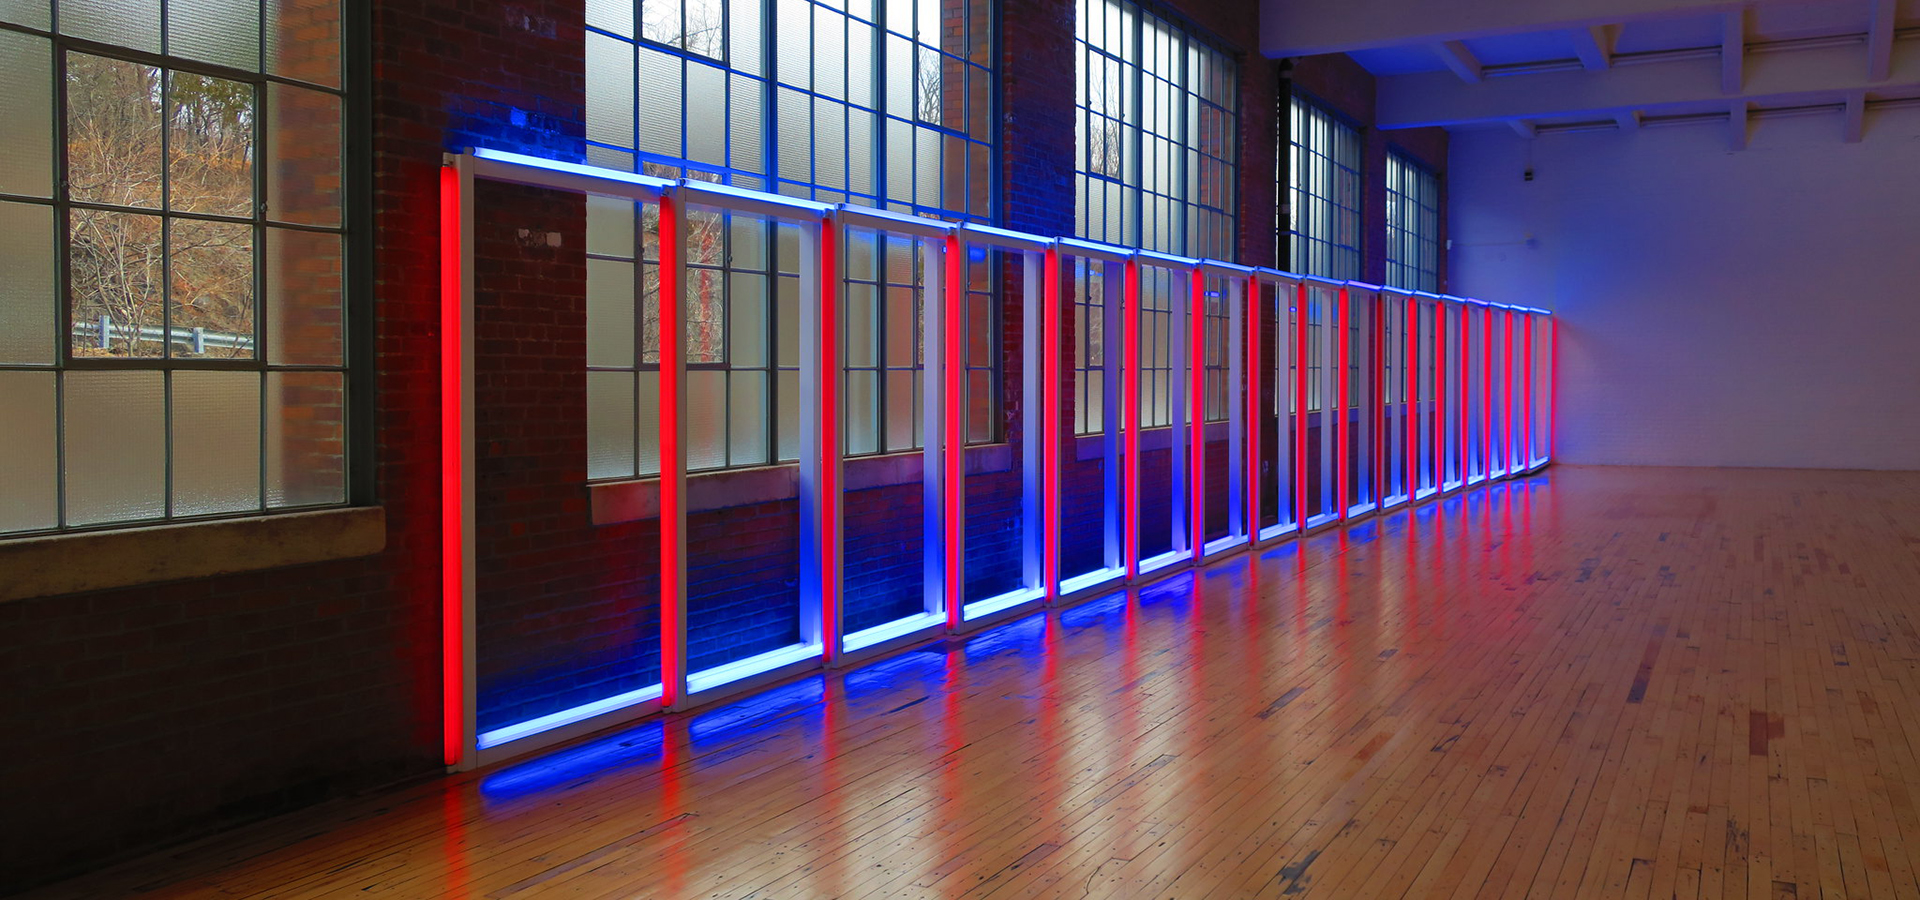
(1526, 387)
(1300, 407)
(1410, 469)
(1339, 406)
(956, 301)
(1050, 422)
(1377, 396)
(1130, 387)
(829, 436)
(1439, 395)
(1486, 393)
(1252, 426)
(1506, 402)
(453, 660)
(672, 336)
(1197, 438)
(1553, 383)
(1465, 428)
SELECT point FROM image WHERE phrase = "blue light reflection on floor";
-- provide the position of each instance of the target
(577, 765)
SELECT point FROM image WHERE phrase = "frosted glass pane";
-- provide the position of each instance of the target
(114, 284)
(829, 144)
(861, 152)
(747, 323)
(787, 322)
(610, 437)
(706, 420)
(116, 451)
(794, 26)
(123, 23)
(647, 403)
(610, 102)
(926, 167)
(29, 452)
(306, 438)
(862, 326)
(743, 44)
(902, 326)
(829, 53)
(661, 103)
(795, 150)
(859, 50)
(26, 105)
(706, 114)
(31, 13)
(305, 323)
(216, 31)
(303, 40)
(210, 269)
(747, 410)
(610, 15)
(744, 123)
(26, 284)
(748, 247)
(899, 78)
(609, 313)
(303, 171)
(900, 416)
(787, 404)
(216, 442)
(610, 227)
(113, 131)
(860, 411)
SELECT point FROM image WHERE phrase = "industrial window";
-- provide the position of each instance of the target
(885, 104)
(1155, 129)
(173, 256)
(1324, 194)
(1413, 225)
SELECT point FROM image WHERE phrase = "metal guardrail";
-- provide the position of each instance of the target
(103, 332)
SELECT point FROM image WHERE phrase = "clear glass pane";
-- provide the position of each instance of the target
(303, 172)
(747, 411)
(123, 23)
(26, 284)
(660, 21)
(210, 278)
(706, 316)
(305, 316)
(226, 32)
(610, 435)
(610, 102)
(114, 284)
(29, 452)
(113, 131)
(303, 40)
(116, 451)
(706, 420)
(704, 28)
(306, 419)
(609, 313)
(215, 422)
(26, 105)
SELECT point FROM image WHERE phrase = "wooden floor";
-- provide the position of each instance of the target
(1601, 682)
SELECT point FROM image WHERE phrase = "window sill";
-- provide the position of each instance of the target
(99, 560)
(613, 502)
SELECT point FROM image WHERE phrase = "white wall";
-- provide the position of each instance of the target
(1758, 307)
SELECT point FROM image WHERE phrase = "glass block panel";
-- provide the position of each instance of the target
(210, 281)
(115, 284)
(113, 131)
(26, 105)
(303, 40)
(29, 452)
(610, 104)
(123, 23)
(226, 32)
(303, 166)
(306, 438)
(114, 425)
(305, 315)
(610, 434)
(661, 103)
(609, 313)
(26, 284)
(747, 411)
(215, 423)
(706, 420)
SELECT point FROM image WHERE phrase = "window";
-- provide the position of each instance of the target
(173, 255)
(1413, 225)
(885, 104)
(1323, 190)
(1156, 130)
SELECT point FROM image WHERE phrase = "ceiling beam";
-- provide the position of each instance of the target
(1522, 128)
(1594, 45)
(1880, 40)
(1309, 27)
(1460, 60)
(1822, 74)
(1855, 126)
(1733, 50)
(1737, 126)
(1627, 119)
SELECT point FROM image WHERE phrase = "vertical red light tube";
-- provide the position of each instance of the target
(1526, 386)
(453, 650)
(1300, 407)
(952, 407)
(1251, 426)
(829, 436)
(1339, 406)
(1439, 444)
(1486, 392)
(1377, 395)
(1553, 383)
(1506, 404)
(1050, 422)
(1130, 389)
(1465, 428)
(672, 337)
(1410, 470)
(1197, 437)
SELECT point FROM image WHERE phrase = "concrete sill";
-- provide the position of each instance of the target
(613, 502)
(98, 560)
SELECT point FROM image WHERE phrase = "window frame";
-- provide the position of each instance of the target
(1294, 225)
(1409, 230)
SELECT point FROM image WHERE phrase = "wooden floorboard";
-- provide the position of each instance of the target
(1597, 682)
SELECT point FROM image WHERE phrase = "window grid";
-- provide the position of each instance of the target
(1216, 324)
(1155, 161)
(1324, 192)
(1413, 224)
(173, 232)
